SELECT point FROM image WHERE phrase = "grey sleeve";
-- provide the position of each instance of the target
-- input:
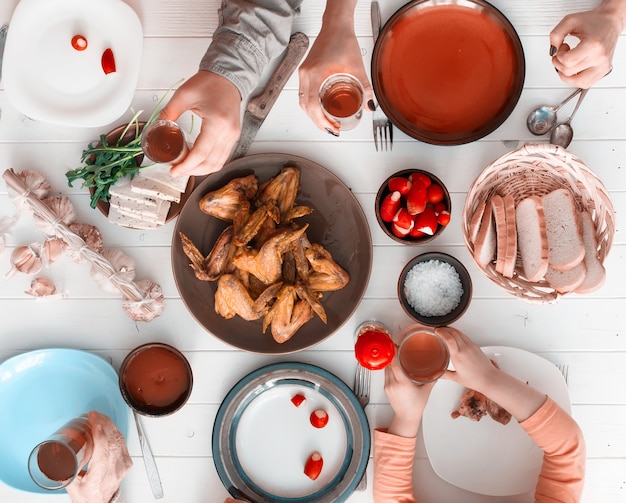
(249, 35)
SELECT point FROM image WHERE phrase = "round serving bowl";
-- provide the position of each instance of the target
(431, 210)
(155, 379)
(431, 293)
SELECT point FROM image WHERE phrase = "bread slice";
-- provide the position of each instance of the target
(596, 274)
(485, 244)
(475, 221)
(564, 230)
(567, 280)
(499, 216)
(532, 239)
(510, 252)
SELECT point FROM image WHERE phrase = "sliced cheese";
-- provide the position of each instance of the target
(119, 218)
(161, 173)
(122, 190)
(151, 188)
(157, 213)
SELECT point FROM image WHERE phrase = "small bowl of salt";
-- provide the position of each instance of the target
(434, 289)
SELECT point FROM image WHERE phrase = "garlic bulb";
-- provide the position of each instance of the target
(92, 237)
(62, 207)
(123, 265)
(52, 249)
(25, 259)
(41, 287)
(150, 307)
(35, 183)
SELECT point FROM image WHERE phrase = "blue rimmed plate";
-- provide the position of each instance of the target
(261, 440)
(40, 391)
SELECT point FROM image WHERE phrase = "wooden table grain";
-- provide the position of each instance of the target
(587, 332)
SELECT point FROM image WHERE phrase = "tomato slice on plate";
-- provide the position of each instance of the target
(108, 61)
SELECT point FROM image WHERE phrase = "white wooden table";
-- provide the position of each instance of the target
(586, 332)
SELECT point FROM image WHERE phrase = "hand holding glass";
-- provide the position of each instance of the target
(56, 461)
(341, 97)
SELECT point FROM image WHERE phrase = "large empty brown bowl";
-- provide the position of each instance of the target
(448, 72)
(337, 223)
(155, 379)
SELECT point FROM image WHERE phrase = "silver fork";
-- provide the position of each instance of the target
(381, 125)
(362, 384)
(564, 369)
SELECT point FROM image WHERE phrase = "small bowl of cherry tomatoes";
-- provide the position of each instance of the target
(413, 206)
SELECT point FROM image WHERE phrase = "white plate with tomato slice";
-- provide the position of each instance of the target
(291, 432)
(72, 62)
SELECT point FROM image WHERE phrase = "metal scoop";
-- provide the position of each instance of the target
(563, 133)
(542, 119)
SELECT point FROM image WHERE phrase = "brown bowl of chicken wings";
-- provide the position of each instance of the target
(272, 254)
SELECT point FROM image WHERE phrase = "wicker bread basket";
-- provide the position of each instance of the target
(537, 169)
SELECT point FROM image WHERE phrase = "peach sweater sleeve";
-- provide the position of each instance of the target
(559, 436)
(393, 468)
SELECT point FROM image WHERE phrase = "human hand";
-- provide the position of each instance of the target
(598, 31)
(473, 368)
(407, 400)
(216, 100)
(323, 60)
(108, 465)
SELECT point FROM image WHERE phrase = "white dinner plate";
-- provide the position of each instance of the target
(46, 79)
(39, 392)
(261, 440)
(487, 457)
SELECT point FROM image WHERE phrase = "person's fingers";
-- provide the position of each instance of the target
(567, 25)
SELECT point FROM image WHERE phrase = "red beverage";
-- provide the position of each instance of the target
(56, 461)
(342, 100)
(423, 356)
(163, 141)
(374, 348)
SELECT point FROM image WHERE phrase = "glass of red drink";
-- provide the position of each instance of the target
(163, 141)
(56, 461)
(423, 355)
(341, 97)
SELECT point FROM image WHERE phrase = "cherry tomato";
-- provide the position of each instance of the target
(319, 418)
(298, 399)
(313, 466)
(374, 349)
(416, 199)
(79, 42)
(389, 207)
(439, 207)
(434, 194)
(400, 184)
(420, 177)
(443, 218)
(108, 61)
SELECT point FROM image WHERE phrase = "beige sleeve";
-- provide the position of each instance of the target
(393, 468)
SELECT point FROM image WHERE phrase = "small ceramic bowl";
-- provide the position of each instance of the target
(155, 379)
(414, 237)
(431, 293)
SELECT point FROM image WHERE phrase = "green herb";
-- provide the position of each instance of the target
(105, 164)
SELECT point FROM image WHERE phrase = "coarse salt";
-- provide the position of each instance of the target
(433, 288)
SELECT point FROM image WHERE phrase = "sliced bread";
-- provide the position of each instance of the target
(596, 273)
(532, 239)
(510, 252)
(499, 216)
(475, 221)
(567, 280)
(564, 230)
(485, 243)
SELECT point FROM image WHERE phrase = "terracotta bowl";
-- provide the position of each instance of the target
(155, 379)
(436, 290)
(384, 191)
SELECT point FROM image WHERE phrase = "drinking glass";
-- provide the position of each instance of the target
(56, 461)
(423, 355)
(341, 96)
(163, 141)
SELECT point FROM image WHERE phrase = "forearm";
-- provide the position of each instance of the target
(339, 15)
(616, 9)
(517, 397)
(249, 36)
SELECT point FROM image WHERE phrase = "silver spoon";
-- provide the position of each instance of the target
(563, 133)
(542, 119)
